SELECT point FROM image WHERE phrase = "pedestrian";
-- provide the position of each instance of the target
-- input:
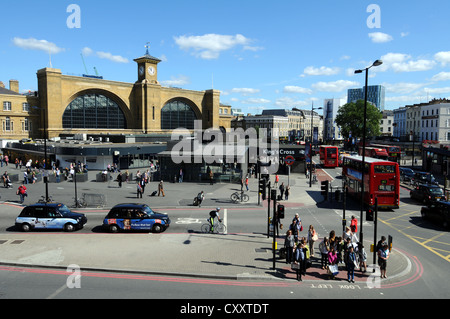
(287, 192)
(362, 257)
(277, 179)
(180, 180)
(312, 238)
(25, 177)
(142, 183)
(298, 222)
(299, 256)
(22, 192)
(58, 175)
(332, 260)
(200, 198)
(246, 182)
(294, 229)
(351, 264)
(354, 225)
(289, 244)
(380, 243)
(324, 248)
(211, 178)
(383, 256)
(119, 179)
(281, 190)
(339, 249)
(139, 190)
(161, 188)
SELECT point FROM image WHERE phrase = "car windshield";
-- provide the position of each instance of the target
(148, 211)
(436, 191)
(64, 210)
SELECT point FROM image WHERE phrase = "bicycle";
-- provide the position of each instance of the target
(43, 200)
(239, 197)
(79, 203)
(218, 228)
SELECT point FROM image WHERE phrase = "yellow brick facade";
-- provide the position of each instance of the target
(141, 103)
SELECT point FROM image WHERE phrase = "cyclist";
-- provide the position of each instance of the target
(212, 215)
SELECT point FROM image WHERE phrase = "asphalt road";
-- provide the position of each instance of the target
(426, 243)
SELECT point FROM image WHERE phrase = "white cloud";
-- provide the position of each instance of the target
(181, 80)
(310, 70)
(256, 101)
(443, 57)
(87, 51)
(289, 103)
(400, 62)
(34, 44)
(442, 76)
(336, 86)
(404, 34)
(209, 46)
(414, 66)
(403, 87)
(443, 90)
(380, 37)
(113, 58)
(296, 89)
(245, 91)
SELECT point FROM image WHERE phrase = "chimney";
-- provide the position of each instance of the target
(14, 85)
(2, 85)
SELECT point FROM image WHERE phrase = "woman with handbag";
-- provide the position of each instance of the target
(299, 257)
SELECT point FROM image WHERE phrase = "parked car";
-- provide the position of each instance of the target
(439, 212)
(423, 178)
(49, 216)
(135, 217)
(406, 174)
(427, 193)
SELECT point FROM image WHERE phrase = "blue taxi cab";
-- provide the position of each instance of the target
(50, 216)
(139, 217)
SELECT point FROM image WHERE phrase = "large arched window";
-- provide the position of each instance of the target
(177, 114)
(94, 111)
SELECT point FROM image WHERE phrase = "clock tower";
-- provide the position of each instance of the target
(147, 68)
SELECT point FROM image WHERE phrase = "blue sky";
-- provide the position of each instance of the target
(259, 54)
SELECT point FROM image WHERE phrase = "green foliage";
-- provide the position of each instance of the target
(350, 118)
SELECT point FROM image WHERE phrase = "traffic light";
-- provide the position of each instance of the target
(280, 211)
(324, 188)
(369, 214)
(262, 185)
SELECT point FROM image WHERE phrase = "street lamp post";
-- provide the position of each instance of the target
(45, 177)
(311, 142)
(376, 63)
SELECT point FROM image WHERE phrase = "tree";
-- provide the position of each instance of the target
(350, 118)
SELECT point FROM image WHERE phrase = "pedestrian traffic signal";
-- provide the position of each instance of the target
(280, 211)
(324, 188)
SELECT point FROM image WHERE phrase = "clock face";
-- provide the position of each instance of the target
(141, 70)
(151, 70)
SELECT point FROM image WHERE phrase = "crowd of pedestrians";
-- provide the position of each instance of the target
(335, 253)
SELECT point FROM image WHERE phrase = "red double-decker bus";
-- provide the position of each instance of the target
(381, 180)
(329, 156)
(392, 150)
(375, 152)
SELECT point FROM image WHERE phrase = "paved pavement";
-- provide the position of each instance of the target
(230, 256)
